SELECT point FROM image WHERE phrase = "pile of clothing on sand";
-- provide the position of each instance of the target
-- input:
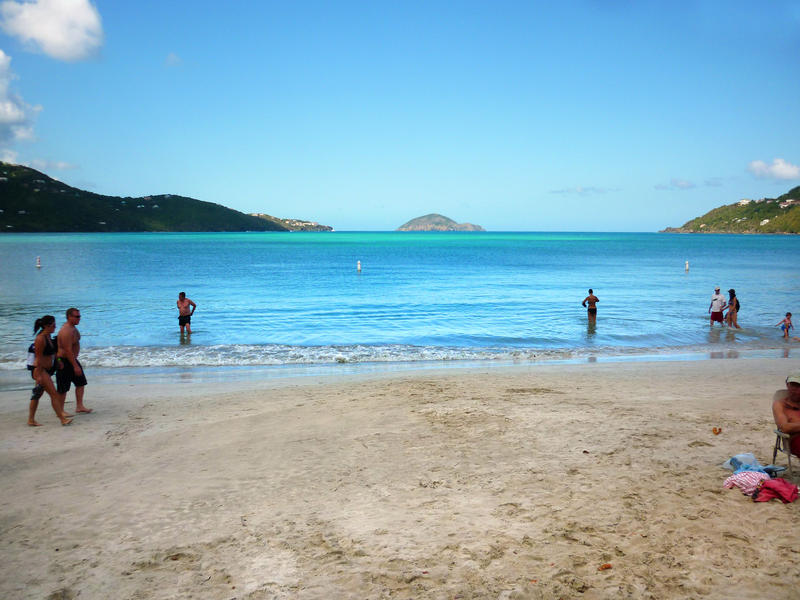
(757, 481)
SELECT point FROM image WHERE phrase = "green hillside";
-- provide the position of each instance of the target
(294, 224)
(31, 201)
(767, 215)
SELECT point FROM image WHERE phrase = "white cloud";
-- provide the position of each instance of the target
(63, 29)
(8, 156)
(173, 60)
(16, 116)
(779, 169)
(676, 184)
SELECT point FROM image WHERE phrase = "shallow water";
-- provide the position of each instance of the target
(278, 299)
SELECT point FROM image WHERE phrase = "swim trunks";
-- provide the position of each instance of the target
(66, 376)
(592, 311)
(184, 320)
(716, 316)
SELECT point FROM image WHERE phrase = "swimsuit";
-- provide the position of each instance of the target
(49, 349)
(592, 311)
(184, 319)
(66, 376)
(49, 346)
(716, 316)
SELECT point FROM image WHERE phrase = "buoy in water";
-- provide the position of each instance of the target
(687, 265)
(38, 263)
(358, 266)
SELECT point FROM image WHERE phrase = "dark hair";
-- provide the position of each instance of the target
(45, 321)
(591, 291)
(70, 311)
(182, 295)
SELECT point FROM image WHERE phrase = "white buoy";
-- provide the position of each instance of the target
(358, 266)
(38, 263)
(687, 266)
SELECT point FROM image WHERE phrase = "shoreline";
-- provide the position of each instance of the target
(19, 379)
(515, 482)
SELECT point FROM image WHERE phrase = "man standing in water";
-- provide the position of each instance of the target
(69, 370)
(716, 307)
(185, 313)
(592, 309)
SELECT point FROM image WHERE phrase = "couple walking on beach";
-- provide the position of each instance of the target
(60, 356)
(719, 304)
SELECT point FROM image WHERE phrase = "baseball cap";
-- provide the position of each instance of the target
(716, 287)
(793, 377)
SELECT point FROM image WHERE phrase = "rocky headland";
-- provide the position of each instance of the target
(436, 222)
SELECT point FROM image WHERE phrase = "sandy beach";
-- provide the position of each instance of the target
(484, 483)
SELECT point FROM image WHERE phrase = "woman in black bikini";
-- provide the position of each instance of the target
(45, 350)
(733, 310)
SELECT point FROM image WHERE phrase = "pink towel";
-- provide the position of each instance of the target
(747, 481)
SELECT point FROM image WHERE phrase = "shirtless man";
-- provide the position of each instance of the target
(69, 369)
(592, 300)
(185, 313)
(786, 409)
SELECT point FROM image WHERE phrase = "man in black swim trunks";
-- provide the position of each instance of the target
(69, 369)
(592, 300)
(185, 313)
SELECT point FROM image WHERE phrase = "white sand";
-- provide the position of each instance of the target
(493, 483)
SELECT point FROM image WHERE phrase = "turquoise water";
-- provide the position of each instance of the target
(278, 299)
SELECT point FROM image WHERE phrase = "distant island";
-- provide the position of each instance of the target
(434, 222)
(31, 201)
(766, 215)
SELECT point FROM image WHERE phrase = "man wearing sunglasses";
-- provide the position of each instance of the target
(69, 369)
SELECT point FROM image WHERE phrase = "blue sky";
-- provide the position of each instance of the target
(587, 116)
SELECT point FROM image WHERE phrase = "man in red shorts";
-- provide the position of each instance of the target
(786, 410)
(716, 307)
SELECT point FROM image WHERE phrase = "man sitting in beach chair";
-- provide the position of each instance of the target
(786, 410)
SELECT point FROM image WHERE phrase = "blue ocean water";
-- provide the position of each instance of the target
(297, 299)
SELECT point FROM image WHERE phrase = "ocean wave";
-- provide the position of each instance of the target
(240, 355)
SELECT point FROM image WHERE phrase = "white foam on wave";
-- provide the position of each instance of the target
(248, 355)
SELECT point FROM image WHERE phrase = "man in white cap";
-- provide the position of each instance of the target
(786, 410)
(716, 307)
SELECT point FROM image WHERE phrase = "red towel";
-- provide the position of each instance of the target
(776, 488)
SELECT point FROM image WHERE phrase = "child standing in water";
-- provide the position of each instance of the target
(786, 325)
